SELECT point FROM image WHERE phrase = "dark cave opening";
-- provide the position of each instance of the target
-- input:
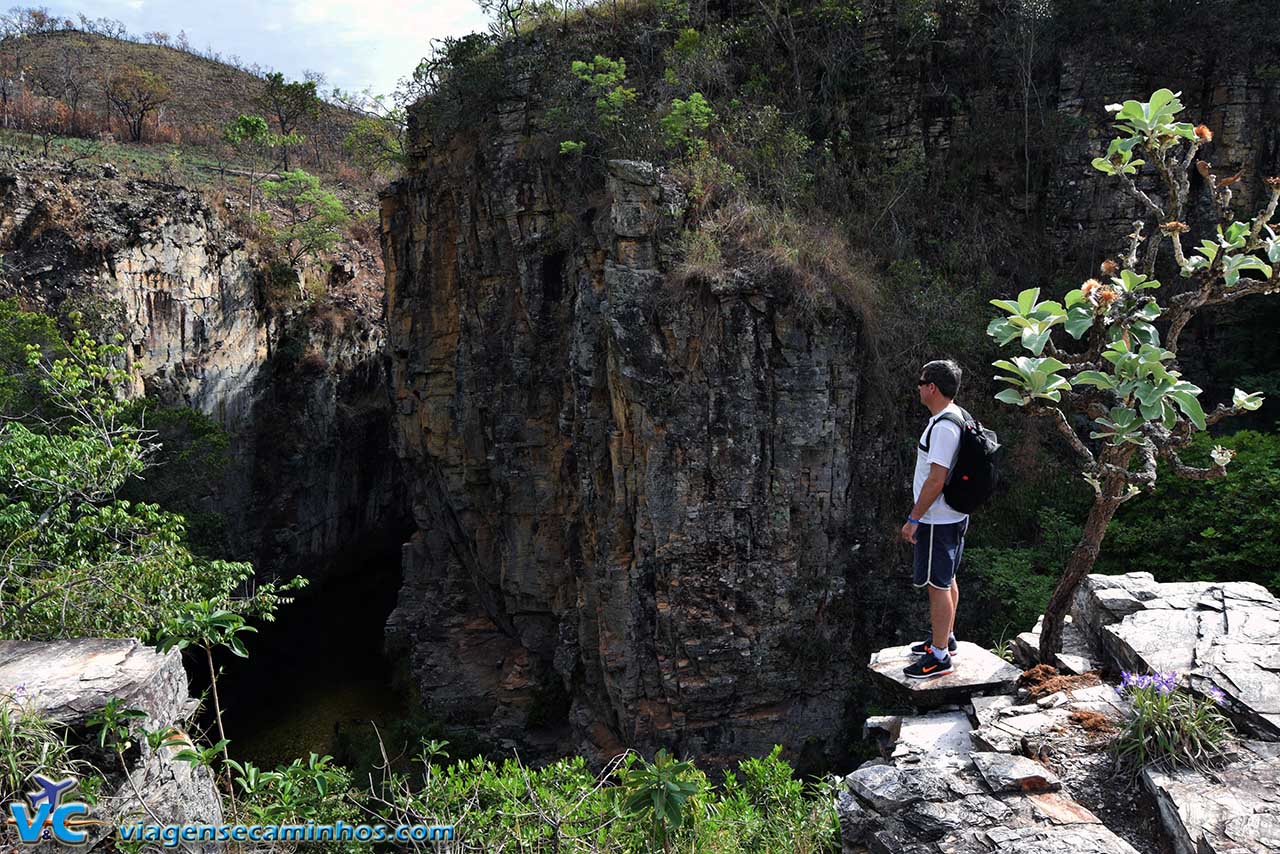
(318, 668)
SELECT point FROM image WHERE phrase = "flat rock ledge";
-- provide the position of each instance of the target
(1210, 633)
(68, 681)
(1009, 789)
(991, 803)
(955, 781)
(976, 671)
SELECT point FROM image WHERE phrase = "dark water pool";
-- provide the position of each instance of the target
(318, 667)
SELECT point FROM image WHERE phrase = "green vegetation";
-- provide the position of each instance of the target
(253, 139)
(1168, 725)
(290, 103)
(632, 806)
(30, 744)
(80, 560)
(309, 218)
(1220, 530)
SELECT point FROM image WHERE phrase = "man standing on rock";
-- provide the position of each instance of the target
(934, 527)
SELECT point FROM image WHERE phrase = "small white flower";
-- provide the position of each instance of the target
(1221, 456)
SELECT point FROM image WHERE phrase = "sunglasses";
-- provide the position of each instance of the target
(924, 382)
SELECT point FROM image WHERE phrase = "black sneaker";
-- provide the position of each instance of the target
(926, 648)
(927, 667)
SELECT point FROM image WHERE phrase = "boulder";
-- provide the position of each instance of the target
(935, 795)
(1224, 634)
(1006, 773)
(69, 680)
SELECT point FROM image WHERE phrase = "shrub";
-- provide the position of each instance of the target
(686, 122)
(657, 806)
(310, 218)
(81, 560)
(1169, 725)
(312, 791)
(1207, 531)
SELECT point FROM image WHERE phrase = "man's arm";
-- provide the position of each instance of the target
(929, 493)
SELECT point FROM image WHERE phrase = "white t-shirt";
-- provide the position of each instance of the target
(942, 450)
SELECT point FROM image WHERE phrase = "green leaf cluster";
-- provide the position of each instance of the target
(637, 806)
(657, 792)
(605, 77)
(247, 129)
(79, 559)
(311, 218)
(685, 123)
(1153, 122)
(1139, 387)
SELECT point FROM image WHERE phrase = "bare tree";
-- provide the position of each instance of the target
(135, 93)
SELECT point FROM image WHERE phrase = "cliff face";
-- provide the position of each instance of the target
(664, 508)
(648, 504)
(302, 394)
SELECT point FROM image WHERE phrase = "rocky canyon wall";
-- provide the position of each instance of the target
(662, 511)
(301, 392)
(651, 505)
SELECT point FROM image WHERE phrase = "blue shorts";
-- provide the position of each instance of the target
(938, 550)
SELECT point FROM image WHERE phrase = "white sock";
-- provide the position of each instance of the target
(939, 654)
(951, 636)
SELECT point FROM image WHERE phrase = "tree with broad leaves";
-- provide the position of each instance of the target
(288, 103)
(1119, 376)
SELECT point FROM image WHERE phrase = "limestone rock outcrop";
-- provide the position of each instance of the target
(302, 392)
(645, 503)
(1219, 633)
(936, 793)
(1231, 809)
(69, 681)
(1016, 773)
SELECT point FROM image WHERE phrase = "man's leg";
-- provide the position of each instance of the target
(955, 605)
(942, 612)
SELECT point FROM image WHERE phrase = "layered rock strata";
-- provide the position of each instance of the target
(301, 391)
(644, 503)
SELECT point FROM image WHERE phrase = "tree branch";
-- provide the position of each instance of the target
(1135, 238)
(1068, 433)
(1143, 197)
(1181, 469)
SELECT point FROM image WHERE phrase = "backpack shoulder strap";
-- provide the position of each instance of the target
(946, 416)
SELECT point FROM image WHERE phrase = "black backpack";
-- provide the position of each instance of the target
(972, 479)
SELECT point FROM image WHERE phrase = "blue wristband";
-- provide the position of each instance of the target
(917, 521)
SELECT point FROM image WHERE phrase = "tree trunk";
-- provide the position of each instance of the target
(1082, 559)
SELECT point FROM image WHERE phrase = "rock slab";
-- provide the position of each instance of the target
(69, 680)
(1224, 634)
(1235, 810)
(976, 671)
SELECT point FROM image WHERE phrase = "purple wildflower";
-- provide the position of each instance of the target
(1165, 683)
(1216, 693)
